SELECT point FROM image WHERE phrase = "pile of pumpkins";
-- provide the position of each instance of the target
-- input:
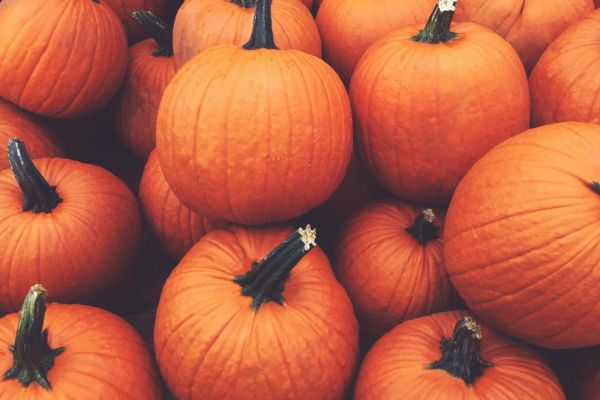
(447, 153)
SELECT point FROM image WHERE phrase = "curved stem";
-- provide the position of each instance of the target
(39, 196)
(262, 28)
(32, 356)
(460, 355)
(244, 3)
(437, 28)
(158, 30)
(265, 281)
(422, 228)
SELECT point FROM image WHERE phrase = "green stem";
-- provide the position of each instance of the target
(262, 28)
(422, 228)
(244, 3)
(158, 30)
(38, 195)
(32, 356)
(437, 28)
(265, 281)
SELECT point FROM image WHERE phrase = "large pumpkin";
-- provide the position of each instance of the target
(60, 58)
(451, 356)
(564, 84)
(253, 134)
(428, 103)
(73, 226)
(126, 8)
(521, 236)
(72, 352)
(389, 258)
(529, 25)
(151, 68)
(234, 322)
(201, 24)
(349, 27)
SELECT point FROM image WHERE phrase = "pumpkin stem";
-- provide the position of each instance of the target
(32, 356)
(422, 228)
(39, 196)
(460, 355)
(595, 185)
(262, 28)
(244, 3)
(158, 30)
(265, 281)
(437, 28)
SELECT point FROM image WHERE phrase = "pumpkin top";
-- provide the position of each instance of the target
(158, 30)
(437, 28)
(262, 28)
(422, 228)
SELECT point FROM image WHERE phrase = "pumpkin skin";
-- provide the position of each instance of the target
(349, 27)
(60, 58)
(124, 9)
(519, 240)
(396, 366)
(422, 118)
(563, 86)
(529, 25)
(201, 24)
(258, 354)
(173, 224)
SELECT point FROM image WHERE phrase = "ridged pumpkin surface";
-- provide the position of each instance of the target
(124, 9)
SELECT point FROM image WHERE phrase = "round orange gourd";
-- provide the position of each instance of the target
(201, 24)
(254, 134)
(521, 236)
(258, 330)
(151, 68)
(173, 224)
(564, 85)
(529, 25)
(60, 58)
(125, 8)
(389, 258)
(349, 27)
(424, 114)
(73, 226)
(72, 352)
(449, 356)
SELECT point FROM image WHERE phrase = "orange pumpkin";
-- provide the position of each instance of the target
(389, 258)
(173, 224)
(151, 68)
(450, 356)
(520, 240)
(60, 58)
(201, 24)
(529, 25)
(564, 85)
(258, 330)
(424, 115)
(73, 226)
(349, 27)
(265, 150)
(125, 9)
(72, 352)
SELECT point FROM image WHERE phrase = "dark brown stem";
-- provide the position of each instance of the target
(422, 228)
(244, 3)
(595, 185)
(158, 30)
(437, 28)
(262, 28)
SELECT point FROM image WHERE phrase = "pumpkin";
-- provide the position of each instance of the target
(520, 240)
(389, 258)
(276, 131)
(424, 115)
(60, 58)
(125, 9)
(563, 84)
(73, 226)
(72, 352)
(349, 27)
(255, 313)
(201, 24)
(450, 356)
(529, 25)
(16, 123)
(173, 224)
(151, 67)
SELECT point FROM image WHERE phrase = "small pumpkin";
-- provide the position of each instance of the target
(125, 9)
(266, 149)
(263, 312)
(72, 352)
(389, 258)
(450, 356)
(60, 58)
(201, 24)
(424, 115)
(151, 68)
(521, 236)
(73, 226)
